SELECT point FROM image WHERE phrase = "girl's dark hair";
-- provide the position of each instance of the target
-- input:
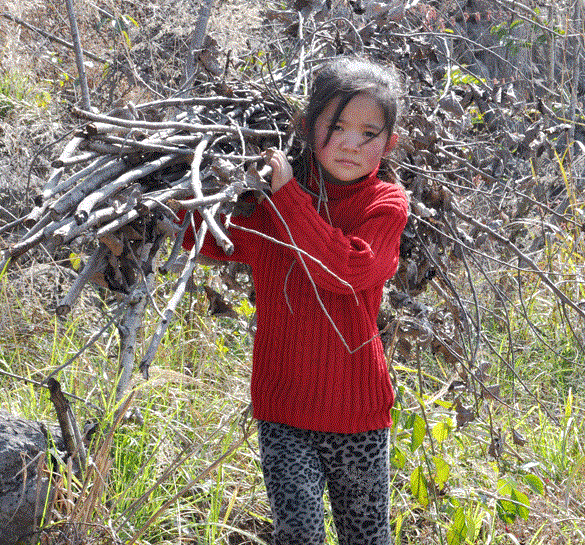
(347, 77)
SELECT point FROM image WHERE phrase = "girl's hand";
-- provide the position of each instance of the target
(282, 170)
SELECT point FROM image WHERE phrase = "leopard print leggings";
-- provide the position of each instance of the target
(297, 464)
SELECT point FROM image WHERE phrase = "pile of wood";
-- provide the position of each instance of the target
(475, 158)
(121, 179)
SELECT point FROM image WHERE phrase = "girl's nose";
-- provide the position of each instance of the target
(351, 141)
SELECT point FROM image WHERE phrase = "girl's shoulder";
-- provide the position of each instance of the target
(390, 193)
(390, 187)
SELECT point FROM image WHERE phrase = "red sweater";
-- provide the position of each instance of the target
(303, 375)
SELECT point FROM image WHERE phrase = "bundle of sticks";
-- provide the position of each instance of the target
(118, 184)
(116, 178)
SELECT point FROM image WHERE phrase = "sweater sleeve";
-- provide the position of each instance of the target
(343, 262)
(243, 232)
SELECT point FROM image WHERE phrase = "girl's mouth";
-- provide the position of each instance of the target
(347, 162)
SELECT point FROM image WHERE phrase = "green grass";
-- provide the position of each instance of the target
(18, 91)
(185, 471)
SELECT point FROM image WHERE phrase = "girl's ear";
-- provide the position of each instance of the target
(391, 142)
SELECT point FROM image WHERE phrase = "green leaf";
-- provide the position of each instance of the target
(506, 511)
(443, 471)
(132, 20)
(397, 458)
(418, 486)
(441, 431)
(398, 526)
(457, 532)
(569, 404)
(504, 487)
(126, 38)
(535, 483)
(419, 430)
(523, 504)
(515, 23)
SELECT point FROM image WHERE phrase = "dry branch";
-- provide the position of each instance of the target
(176, 125)
(94, 265)
(52, 37)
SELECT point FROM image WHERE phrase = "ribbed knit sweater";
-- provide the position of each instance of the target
(318, 362)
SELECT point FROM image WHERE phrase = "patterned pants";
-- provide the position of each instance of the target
(297, 464)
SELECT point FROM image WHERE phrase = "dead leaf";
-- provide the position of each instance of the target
(491, 392)
(217, 305)
(518, 438)
(497, 445)
(465, 415)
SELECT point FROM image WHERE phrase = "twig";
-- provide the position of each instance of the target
(173, 302)
(129, 328)
(52, 37)
(67, 423)
(177, 244)
(89, 343)
(95, 264)
(74, 160)
(127, 145)
(197, 39)
(534, 268)
(78, 55)
(221, 238)
(199, 101)
(44, 231)
(178, 125)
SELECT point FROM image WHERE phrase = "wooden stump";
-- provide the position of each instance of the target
(24, 484)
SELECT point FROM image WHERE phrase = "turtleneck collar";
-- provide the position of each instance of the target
(339, 191)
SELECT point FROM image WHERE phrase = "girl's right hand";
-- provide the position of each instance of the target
(282, 171)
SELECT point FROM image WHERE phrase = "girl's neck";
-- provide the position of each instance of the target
(335, 181)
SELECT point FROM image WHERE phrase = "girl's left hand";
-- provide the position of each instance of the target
(282, 171)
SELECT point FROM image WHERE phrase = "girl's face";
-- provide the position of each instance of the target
(357, 143)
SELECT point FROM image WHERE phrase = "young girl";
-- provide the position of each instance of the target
(321, 248)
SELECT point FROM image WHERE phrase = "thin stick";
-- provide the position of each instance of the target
(95, 264)
(173, 302)
(221, 238)
(52, 37)
(78, 55)
(178, 125)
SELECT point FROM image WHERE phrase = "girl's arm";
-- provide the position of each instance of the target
(362, 258)
(246, 244)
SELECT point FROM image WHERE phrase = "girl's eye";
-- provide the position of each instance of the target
(370, 134)
(335, 127)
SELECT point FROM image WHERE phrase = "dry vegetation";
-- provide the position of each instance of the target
(483, 324)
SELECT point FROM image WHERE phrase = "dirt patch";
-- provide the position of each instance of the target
(236, 24)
